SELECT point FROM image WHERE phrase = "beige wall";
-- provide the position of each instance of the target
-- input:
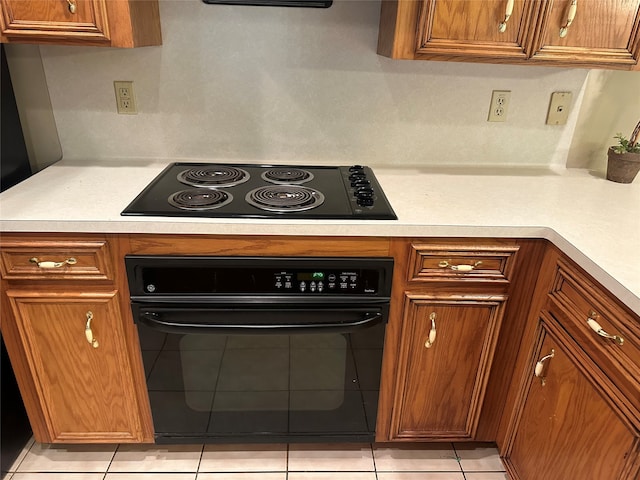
(611, 105)
(306, 85)
(283, 84)
(34, 106)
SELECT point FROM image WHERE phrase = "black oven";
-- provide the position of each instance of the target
(261, 349)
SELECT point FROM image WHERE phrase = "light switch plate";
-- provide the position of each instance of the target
(559, 108)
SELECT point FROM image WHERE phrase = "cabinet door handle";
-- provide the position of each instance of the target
(571, 14)
(537, 371)
(88, 333)
(595, 326)
(68, 261)
(502, 27)
(432, 333)
(72, 6)
(459, 268)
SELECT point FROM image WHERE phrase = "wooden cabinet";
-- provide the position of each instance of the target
(453, 30)
(71, 340)
(112, 23)
(568, 424)
(446, 350)
(448, 307)
(85, 387)
(575, 412)
(602, 34)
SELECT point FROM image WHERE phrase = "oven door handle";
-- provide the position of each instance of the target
(160, 320)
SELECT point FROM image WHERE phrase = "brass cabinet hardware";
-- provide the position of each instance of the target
(502, 27)
(68, 261)
(88, 333)
(595, 326)
(432, 333)
(459, 268)
(571, 14)
(540, 366)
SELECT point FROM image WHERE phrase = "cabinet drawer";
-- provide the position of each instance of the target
(55, 259)
(429, 263)
(616, 349)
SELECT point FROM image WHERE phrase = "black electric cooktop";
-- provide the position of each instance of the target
(263, 191)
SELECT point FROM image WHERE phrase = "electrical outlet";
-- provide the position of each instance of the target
(499, 106)
(125, 101)
(559, 108)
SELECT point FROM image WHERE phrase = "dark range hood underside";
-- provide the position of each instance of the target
(275, 3)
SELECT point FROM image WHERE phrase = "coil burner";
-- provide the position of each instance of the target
(197, 199)
(287, 176)
(285, 198)
(213, 176)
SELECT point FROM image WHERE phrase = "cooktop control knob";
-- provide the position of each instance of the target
(360, 183)
(361, 186)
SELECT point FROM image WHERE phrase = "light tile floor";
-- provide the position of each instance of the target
(442, 461)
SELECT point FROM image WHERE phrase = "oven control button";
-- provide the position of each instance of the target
(343, 285)
(151, 288)
(288, 285)
(320, 286)
(353, 286)
(331, 285)
(278, 284)
(331, 277)
(303, 286)
(312, 286)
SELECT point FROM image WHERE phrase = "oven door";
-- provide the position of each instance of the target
(262, 373)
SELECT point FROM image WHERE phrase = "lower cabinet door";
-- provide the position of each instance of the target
(447, 346)
(75, 349)
(567, 426)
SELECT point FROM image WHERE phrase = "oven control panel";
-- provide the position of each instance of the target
(208, 277)
(324, 281)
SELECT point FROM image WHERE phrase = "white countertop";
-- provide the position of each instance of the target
(594, 221)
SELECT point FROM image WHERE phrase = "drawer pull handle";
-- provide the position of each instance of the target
(571, 14)
(72, 6)
(459, 268)
(540, 366)
(88, 333)
(432, 333)
(507, 15)
(596, 327)
(68, 261)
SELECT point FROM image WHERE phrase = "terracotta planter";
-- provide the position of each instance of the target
(622, 167)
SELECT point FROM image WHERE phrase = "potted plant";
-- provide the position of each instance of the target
(624, 159)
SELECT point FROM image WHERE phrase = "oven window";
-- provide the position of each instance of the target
(252, 387)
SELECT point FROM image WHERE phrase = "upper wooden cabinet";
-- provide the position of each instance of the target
(110, 23)
(603, 33)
